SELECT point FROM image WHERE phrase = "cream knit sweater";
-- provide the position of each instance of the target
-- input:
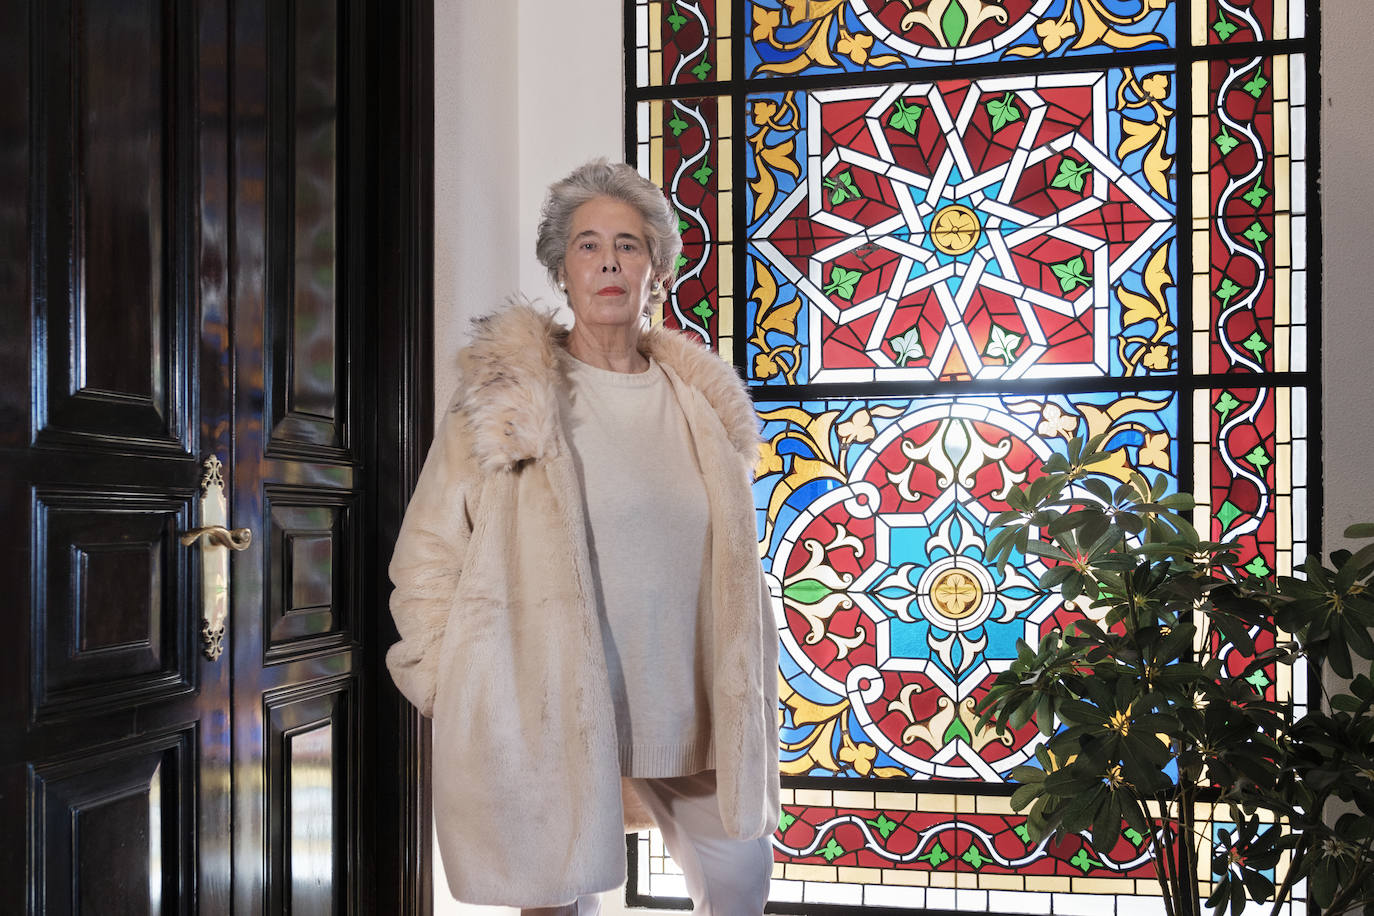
(648, 524)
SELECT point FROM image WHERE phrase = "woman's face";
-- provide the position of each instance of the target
(606, 267)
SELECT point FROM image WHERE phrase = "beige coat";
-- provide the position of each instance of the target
(499, 638)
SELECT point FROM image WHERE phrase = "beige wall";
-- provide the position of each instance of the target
(510, 120)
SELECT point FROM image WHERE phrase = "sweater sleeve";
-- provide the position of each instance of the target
(427, 563)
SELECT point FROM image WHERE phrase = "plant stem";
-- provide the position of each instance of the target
(1188, 856)
(1161, 856)
(1161, 873)
(1164, 873)
(1286, 887)
(1183, 837)
(1165, 857)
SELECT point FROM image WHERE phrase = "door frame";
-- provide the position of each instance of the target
(403, 331)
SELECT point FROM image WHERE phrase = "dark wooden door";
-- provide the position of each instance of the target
(191, 196)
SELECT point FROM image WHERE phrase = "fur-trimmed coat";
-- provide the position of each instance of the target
(499, 636)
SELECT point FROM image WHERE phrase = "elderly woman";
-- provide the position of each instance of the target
(578, 589)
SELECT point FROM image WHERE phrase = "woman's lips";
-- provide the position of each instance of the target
(610, 291)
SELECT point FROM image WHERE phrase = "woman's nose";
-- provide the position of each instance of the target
(610, 266)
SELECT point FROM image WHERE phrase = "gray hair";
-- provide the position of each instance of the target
(617, 181)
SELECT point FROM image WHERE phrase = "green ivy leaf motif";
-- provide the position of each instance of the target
(1002, 344)
(676, 19)
(1226, 291)
(1256, 344)
(682, 225)
(1256, 234)
(703, 310)
(1021, 831)
(703, 173)
(1257, 457)
(1225, 404)
(842, 282)
(1223, 27)
(883, 825)
(1258, 679)
(1256, 195)
(1003, 111)
(907, 346)
(1083, 861)
(1256, 85)
(936, 857)
(1257, 567)
(785, 820)
(678, 125)
(974, 856)
(1071, 273)
(701, 69)
(1072, 175)
(833, 850)
(905, 117)
(1135, 837)
(1224, 141)
(842, 188)
(681, 261)
(1227, 513)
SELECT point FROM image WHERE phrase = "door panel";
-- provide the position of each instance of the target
(313, 121)
(311, 748)
(313, 578)
(116, 829)
(304, 224)
(116, 111)
(301, 478)
(112, 627)
(113, 745)
(189, 245)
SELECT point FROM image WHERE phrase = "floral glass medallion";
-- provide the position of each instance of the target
(891, 620)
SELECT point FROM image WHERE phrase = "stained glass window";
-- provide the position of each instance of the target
(940, 238)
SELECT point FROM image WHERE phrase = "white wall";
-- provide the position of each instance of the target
(476, 181)
(507, 123)
(510, 119)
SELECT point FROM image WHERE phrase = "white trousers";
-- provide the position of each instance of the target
(724, 876)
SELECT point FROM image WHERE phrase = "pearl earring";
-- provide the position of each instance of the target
(562, 286)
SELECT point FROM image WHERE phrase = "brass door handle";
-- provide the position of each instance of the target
(219, 536)
(216, 540)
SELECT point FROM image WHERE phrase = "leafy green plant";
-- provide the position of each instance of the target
(1158, 699)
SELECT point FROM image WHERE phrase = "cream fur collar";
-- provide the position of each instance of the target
(511, 379)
